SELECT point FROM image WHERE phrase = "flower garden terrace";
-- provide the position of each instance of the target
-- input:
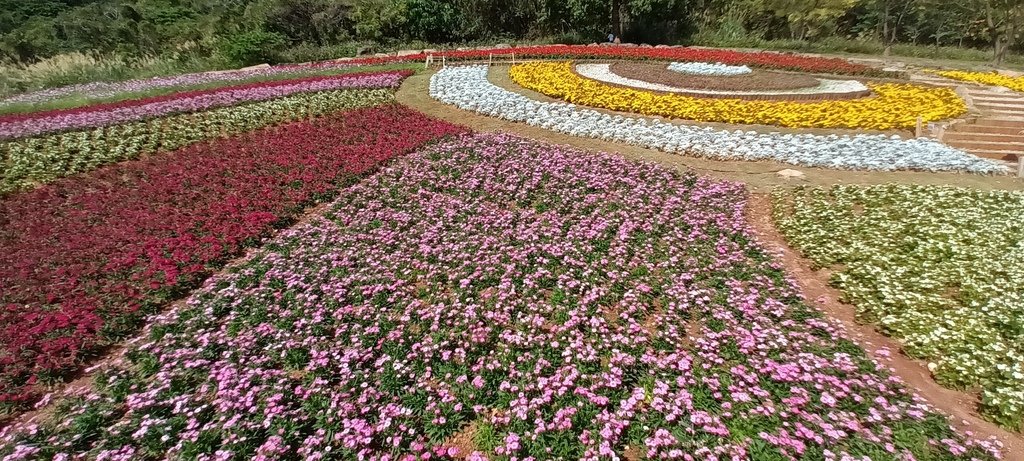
(488, 296)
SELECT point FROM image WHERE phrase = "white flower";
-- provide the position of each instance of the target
(467, 87)
(704, 68)
(603, 73)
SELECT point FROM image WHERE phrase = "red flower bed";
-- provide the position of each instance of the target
(765, 60)
(83, 259)
(103, 107)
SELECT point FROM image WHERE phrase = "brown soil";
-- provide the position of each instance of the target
(755, 81)
(465, 440)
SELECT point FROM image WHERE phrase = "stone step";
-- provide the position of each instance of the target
(1007, 122)
(1000, 99)
(988, 145)
(1007, 106)
(983, 129)
(961, 136)
(995, 154)
(1003, 113)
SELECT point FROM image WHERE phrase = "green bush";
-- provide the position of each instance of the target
(251, 47)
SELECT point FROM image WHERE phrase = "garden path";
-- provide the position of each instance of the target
(995, 129)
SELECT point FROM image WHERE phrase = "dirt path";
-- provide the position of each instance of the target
(958, 405)
(761, 177)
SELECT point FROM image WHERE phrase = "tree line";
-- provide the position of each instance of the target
(255, 30)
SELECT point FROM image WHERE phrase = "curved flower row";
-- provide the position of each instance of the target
(468, 88)
(83, 259)
(603, 73)
(986, 78)
(894, 106)
(18, 126)
(29, 162)
(767, 60)
(496, 298)
(97, 90)
(706, 68)
(937, 267)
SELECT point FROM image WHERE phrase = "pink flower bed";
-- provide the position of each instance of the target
(497, 298)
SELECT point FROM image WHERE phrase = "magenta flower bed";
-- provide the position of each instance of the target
(84, 258)
(33, 124)
(497, 298)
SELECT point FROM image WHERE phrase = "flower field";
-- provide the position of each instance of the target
(101, 90)
(468, 88)
(756, 80)
(83, 259)
(39, 160)
(765, 60)
(893, 106)
(287, 263)
(939, 268)
(128, 129)
(702, 68)
(820, 89)
(99, 115)
(985, 78)
(492, 297)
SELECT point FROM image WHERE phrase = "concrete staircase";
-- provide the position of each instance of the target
(995, 127)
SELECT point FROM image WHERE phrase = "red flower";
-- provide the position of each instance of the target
(79, 258)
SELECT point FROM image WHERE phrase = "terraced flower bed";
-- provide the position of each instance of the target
(84, 259)
(939, 268)
(30, 162)
(823, 89)
(985, 78)
(756, 80)
(894, 106)
(100, 115)
(496, 298)
(468, 88)
(766, 60)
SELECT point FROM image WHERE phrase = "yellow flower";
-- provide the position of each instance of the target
(893, 106)
(986, 78)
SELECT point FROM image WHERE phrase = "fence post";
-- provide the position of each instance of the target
(490, 57)
(444, 62)
(920, 127)
(513, 58)
(1020, 166)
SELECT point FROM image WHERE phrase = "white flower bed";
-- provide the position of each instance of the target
(707, 68)
(467, 87)
(603, 73)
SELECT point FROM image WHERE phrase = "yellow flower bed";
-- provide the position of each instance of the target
(986, 78)
(893, 106)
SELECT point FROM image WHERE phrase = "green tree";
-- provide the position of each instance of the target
(809, 18)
